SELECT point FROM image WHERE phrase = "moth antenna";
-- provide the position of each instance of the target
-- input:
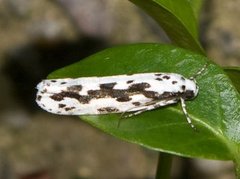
(186, 113)
(199, 72)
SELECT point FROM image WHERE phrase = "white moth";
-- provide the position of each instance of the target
(115, 94)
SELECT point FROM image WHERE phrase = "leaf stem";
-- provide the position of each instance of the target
(164, 166)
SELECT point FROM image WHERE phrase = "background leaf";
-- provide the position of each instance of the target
(196, 6)
(178, 20)
(215, 111)
(234, 75)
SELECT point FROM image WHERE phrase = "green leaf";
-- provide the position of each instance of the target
(234, 75)
(215, 111)
(178, 20)
(196, 6)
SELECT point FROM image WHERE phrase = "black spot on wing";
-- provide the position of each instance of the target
(118, 94)
(39, 97)
(75, 88)
(189, 94)
(57, 97)
(124, 98)
(108, 110)
(129, 81)
(167, 77)
(61, 105)
(167, 95)
(68, 94)
(183, 87)
(174, 82)
(159, 79)
(150, 94)
(138, 87)
(136, 103)
(69, 108)
(107, 86)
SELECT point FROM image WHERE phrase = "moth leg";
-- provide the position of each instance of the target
(147, 107)
(134, 113)
(186, 113)
(124, 115)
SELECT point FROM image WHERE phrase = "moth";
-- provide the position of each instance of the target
(126, 94)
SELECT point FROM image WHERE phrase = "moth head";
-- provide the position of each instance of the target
(190, 90)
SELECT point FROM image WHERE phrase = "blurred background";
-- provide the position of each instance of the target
(38, 37)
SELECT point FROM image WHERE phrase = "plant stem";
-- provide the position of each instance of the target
(164, 166)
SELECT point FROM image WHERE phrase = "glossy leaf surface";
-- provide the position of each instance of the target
(234, 75)
(177, 18)
(215, 111)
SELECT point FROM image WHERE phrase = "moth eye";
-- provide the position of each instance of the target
(189, 94)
